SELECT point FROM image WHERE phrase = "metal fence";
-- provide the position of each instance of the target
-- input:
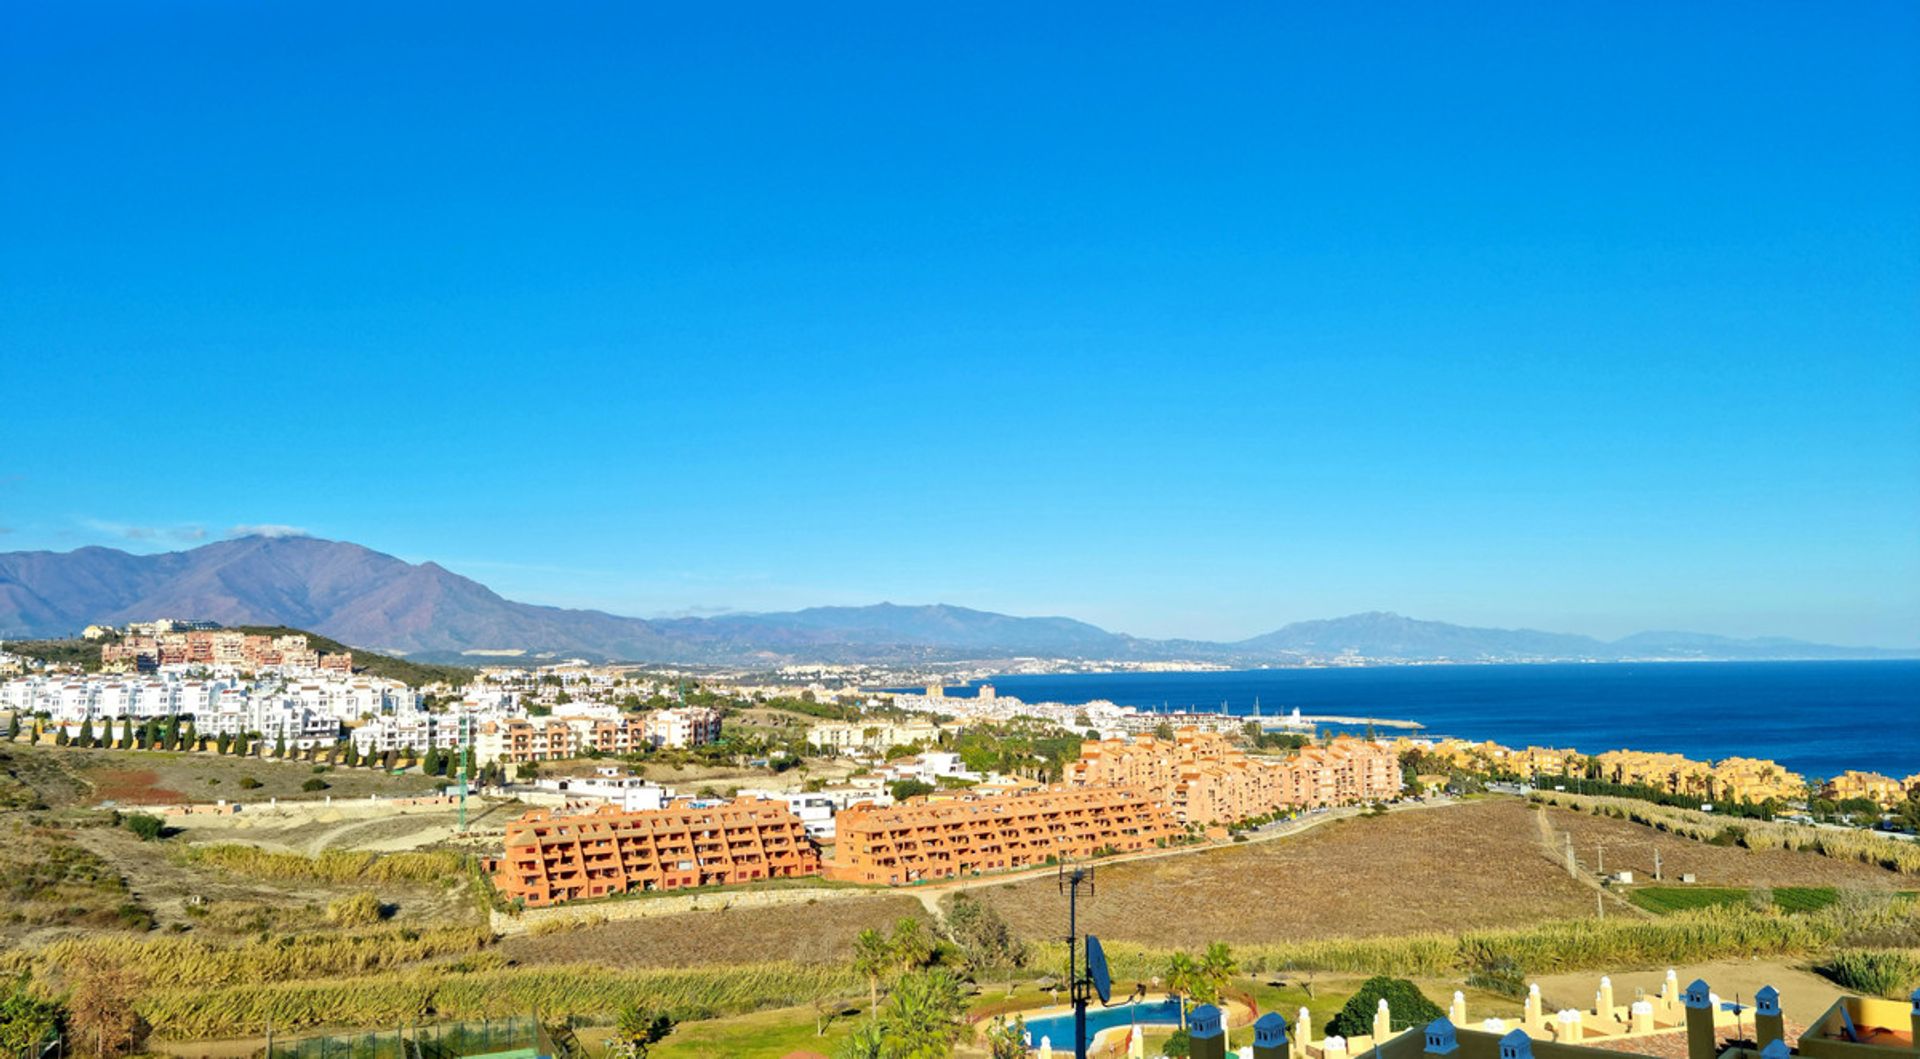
(522, 1035)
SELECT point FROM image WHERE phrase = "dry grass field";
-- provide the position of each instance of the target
(817, 933)
(1629, 846)
(131, 778)
(177, 893)
(1470, 866)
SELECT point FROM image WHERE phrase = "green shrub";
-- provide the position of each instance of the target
(315, 784)
(248, 783)
(146, 826)
(1408, 1007)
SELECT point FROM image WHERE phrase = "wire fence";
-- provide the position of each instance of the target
(521, 1037)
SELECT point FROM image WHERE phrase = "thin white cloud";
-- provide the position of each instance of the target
(128, 531)
(267, 529)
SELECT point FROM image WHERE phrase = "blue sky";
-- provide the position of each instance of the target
(1183, 319)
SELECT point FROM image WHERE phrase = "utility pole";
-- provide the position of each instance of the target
(1656, 863)
(1600, 904)
(1600, 859)
(466, 751)
(1573, 865)
(1078, 991)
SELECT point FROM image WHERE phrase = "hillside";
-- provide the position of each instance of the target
(86, 653)
(378, 603)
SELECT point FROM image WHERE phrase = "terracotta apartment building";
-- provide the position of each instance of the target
(549, 857)
(934, 840)
(1205, 779)
(220, 647)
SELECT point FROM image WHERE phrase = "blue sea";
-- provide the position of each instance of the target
(1816, 718)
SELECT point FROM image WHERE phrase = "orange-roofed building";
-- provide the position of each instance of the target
(1207, 780)
(918, 840)
(550, 857)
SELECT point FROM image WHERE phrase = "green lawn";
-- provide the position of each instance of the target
(1666, 900)
(761, 1035)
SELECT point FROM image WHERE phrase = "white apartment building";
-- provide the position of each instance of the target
(817, 809)
(417, 730)
(848, 736)
(683, 726)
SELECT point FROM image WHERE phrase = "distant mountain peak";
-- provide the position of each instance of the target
(373, 600)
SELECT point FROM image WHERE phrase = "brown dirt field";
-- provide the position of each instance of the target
(212, 777)
(1471, 866)
(815, 933)
(133, 787)
(1629, 846)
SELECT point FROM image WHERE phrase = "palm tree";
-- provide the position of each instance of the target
(1217, 968)
(911, 945)
(1183, 977)
(922, 1016)
(872, 957)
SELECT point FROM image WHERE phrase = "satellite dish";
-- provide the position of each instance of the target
(1097, 969)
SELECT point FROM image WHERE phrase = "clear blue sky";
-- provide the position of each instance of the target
(1183, 319)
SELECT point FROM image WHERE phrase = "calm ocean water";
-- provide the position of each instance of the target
(1817, 718)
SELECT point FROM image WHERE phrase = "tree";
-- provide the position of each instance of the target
(636, 1029)
(222, 744)
(872, 957)
(1408, 1006)
(100, 999)
(432, 764)
(911, 945)
(280, 747)
(1007, 1040)
(909, 788)
(86, 732)
(1217, 970)
(983, 938)
(1183, 979)
(1909, 812)
(922, 1016)
(146, 826)
(25, 1020)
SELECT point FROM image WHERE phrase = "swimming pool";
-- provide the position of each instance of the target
(1058, 1029)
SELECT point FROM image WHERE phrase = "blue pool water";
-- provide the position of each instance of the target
(1058, 1029)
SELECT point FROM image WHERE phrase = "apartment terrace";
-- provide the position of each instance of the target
(932, 840)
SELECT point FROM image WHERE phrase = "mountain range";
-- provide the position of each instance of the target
(424, 611)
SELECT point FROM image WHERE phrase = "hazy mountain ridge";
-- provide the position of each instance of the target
(375, 601)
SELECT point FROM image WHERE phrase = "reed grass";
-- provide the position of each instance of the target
(189, 962)
(331, 866)
(1685, 937)
(415, 996)
(1876, 972)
